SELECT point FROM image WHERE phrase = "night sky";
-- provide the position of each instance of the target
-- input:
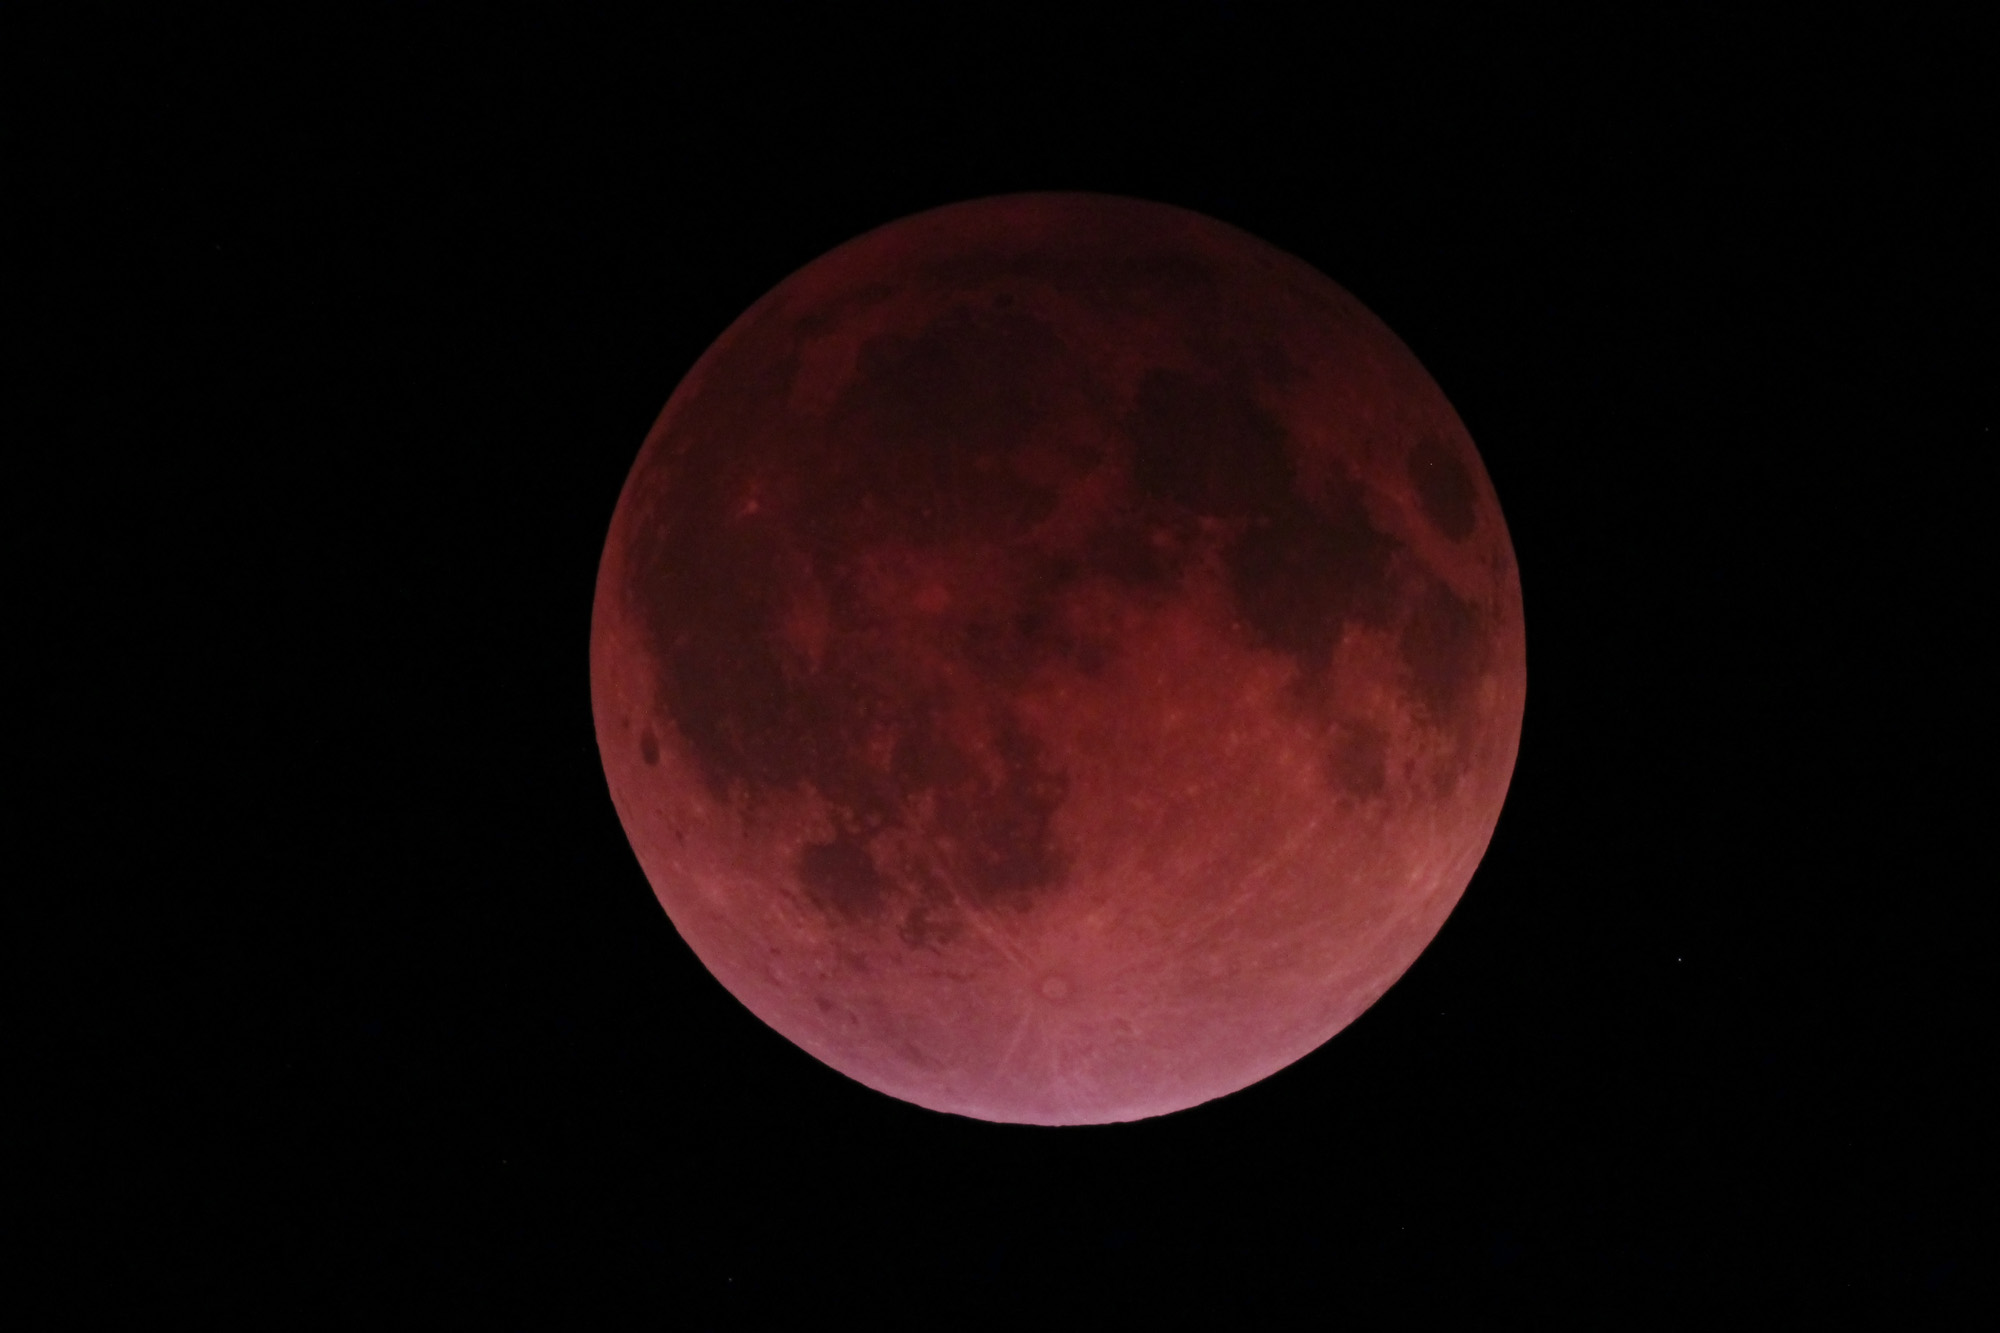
(357, 1004)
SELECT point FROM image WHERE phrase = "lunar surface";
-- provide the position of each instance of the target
(1058, 659)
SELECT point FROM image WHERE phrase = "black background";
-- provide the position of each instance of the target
(361, 1007)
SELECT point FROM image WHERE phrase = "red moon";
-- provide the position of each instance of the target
(1058, 659)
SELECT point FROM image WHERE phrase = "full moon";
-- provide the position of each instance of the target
(1058, 659)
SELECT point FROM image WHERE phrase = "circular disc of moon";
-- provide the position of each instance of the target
(1058, 659)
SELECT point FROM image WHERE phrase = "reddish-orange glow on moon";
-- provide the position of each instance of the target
(1058, 659)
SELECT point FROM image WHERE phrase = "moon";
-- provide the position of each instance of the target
(1058, 659)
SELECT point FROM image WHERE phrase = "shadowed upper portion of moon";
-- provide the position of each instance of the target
(874, 520)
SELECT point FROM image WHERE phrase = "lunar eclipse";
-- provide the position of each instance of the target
(1058, 659)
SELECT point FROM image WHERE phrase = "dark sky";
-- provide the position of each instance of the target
(359, 1001)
